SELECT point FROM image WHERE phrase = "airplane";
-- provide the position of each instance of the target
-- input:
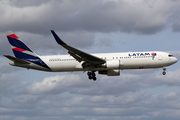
(108, 64)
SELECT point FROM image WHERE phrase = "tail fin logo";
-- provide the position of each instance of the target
(22, 51)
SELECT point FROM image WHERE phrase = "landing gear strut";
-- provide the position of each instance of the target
(92, 75)
(164, 71)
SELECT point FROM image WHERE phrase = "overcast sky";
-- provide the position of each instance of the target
(94, 26)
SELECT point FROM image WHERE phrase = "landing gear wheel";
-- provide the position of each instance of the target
(164, 73)
(92, 75)
(88, 73)
(94, 78)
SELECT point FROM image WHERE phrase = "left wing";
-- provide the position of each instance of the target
(16, 60)
(77, 54)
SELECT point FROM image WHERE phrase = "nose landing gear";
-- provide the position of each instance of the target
(92, 75)
(164, 71)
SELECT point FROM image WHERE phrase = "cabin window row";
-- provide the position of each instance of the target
(61, 59)
(130, 57)
(102, 58)
(121, 57)
(143, 57)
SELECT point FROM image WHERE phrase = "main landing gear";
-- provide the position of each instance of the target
(164, 71)
(92, 75)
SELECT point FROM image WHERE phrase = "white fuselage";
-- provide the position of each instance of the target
(127, 60)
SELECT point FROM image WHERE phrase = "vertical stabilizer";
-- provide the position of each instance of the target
(25, 57)
(20, 50)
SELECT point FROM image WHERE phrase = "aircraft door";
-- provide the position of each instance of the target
(160, 57)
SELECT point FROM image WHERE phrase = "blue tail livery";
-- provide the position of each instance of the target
(23, 54)
(20, 50)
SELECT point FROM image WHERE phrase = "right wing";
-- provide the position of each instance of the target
(77, 54)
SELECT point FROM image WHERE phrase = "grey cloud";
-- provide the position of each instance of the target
(46, 44)
(67, 96)
(139, 17)
(5, 48)
(23, 3)
(104, 42)
(174, 19)
(175, 54)
(127, 82)
(7, 80)
(133, 106)
(176, 27)
(73, 96)
(7, 69)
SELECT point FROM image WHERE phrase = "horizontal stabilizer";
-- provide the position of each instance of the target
(16, 60)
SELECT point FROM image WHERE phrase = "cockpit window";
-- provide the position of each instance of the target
(170, 55)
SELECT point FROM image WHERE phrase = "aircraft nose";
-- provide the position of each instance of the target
(175, 60)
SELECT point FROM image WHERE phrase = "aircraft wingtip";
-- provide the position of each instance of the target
(58, 40)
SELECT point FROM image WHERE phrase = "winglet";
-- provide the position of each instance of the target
(58, 40)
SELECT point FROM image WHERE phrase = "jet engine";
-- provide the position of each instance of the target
(110, 72)
(111, 64)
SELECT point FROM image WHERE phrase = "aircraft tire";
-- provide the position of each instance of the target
(164, 73)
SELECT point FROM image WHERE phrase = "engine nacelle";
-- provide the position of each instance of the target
(110, 72)
(111, 64)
